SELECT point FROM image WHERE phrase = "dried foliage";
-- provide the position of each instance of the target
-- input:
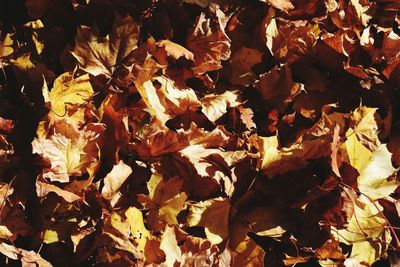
(199, 133)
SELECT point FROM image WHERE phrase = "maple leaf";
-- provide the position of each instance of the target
(311, 144)
(391, 52)
(132, 226)
(201, 251)
(365, 231)
(212, 214)
(72, 154)
(170, 247)
(215, 164)
(43, 189)
(265, 221)
(362, 10)
(277, 87)
(365, 121)
(168, 49)
(167, 101)
(114, 179)
(214, 106)
(28, 258)
(101, 55)
(291, 40)
(375, 168)
(284, 5)
(164, 202)
(35, 27)
(241, 63)
(6, 48)
(248, 253)
(157, 141)
(67, 101)
(209, 46)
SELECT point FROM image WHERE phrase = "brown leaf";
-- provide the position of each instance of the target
(284, 5)
(277, 87)
(100, 55)
(168, 49)
(209, 46)
(6, 125)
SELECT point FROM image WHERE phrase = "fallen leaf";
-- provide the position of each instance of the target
(43, 189)
(69, 156)
(114, 180)
(100, 55)
(170, 246)
(209, 46)
(214, 106)
(164, 202)
(211, 214)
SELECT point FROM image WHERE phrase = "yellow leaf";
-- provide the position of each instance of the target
(6, 46)
(69, 98)
(132, 226)
(359, 155)
(5, 233)
(374, 179)
(35, 25)
(364, 122)
(211, 214)
(122, 226)
(248, 253)
(50, 236)
(273, 232)
(165, 201)
(134, 218)
(365, 231)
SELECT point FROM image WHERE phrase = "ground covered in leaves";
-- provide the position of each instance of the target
(199, 133)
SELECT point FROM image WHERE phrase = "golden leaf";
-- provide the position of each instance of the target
(211, 214)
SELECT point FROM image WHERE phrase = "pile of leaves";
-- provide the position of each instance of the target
(199, 133)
